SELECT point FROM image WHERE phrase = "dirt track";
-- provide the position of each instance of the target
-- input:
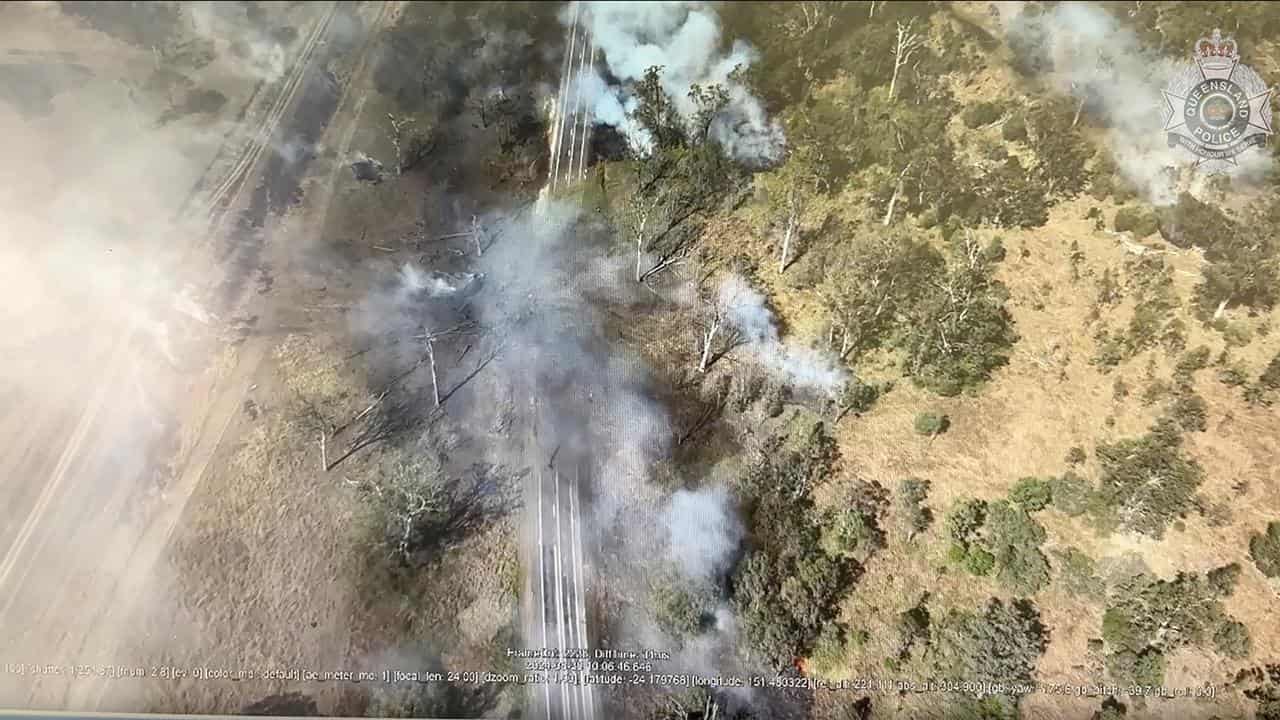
(118, 384)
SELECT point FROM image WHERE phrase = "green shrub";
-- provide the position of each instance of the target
(1190, 412)
(1146, 618)
(1031, 494)
(1014, 538)
(1264, 548)
(1232, 639)
(1147, 482)
(1014, 129)
(965, 519)
(928, 423)
(1000, 644)
(1192, 222)
(979, 562)
(1140, 221)
(1077, 573)
(912, 493)
(1071, 494)
(1191, 361)
(1270, 377)
(679, 611)
(1224, 579)
(982, 113)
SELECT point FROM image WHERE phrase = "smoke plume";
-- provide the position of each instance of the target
(749, 314)
(1094, 58)
(684, 39)
(704, 531)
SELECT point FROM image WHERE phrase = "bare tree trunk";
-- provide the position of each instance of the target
(435, 383)
(708, 339)
(897, 192)
(475, 235)
(1079, 107)
(792, 222)
(904, 47)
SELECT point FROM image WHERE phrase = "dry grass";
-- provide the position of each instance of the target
(1048, 399)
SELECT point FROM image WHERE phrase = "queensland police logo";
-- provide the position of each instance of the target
(1217, 108)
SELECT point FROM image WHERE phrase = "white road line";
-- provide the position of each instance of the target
(575, 553)
(577, 105)
(542, 582)
(562, 101)
(586, 111)
(560, 607)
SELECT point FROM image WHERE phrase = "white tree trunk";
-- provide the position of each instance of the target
(475, 235)
(786, 240)
(435, 383)
(897, 193)
(708, 338)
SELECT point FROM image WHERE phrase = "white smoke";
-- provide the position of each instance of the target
(683, 38)
(750, 315)
(1096, 58)
(703, 530)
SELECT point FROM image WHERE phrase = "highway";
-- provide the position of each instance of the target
(557, 567)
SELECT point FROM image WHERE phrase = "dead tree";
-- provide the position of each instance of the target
(904, 47)
(475, 235)
(897, 193)
(403, 143)
(793, 223)
(716, 323)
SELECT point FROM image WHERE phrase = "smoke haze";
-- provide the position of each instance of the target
(685, 39)
(1094, 57)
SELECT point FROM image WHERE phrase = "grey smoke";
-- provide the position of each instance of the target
(685, 39)
(748, 312)
(704, 531)
(1094, 56)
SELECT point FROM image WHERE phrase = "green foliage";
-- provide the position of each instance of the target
(1147, 482)
(678, 610)
(830, 648)
(1031, 494)
(1014, 129)
(874, 281)
(1077, 573)
(1224, 579)
(912, 629)
(1232, 639)
(1264, 548)
(1071, 494)
(853, 526)
(1189, 411)
(1270, 377)
(982, 113)
(1190, 222)
(1192, 361)
(959, 332)
(1141, 221)
(979, 562)
(787, 587)
(912, 492)
(1147, 618)
(1002, 537)
(859, 396)
(1014, 538)
(965, 519)
(1002, 643)
(927, 423)
(1063, 152)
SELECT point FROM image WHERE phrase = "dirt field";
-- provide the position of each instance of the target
(140, 239)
